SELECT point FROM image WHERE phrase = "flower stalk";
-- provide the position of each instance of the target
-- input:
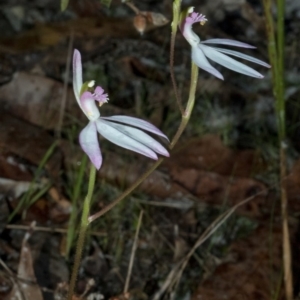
(276, 54)
(174, 26)
(82, 231)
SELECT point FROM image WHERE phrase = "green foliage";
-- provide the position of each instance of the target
(106, 2)
(64, 4)
(30, 197)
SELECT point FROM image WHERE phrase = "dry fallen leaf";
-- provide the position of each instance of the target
(26, 287)
(31, 145)
(147, 20)
(61, 207)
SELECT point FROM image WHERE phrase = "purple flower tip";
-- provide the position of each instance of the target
(196, 17)
(99, 95)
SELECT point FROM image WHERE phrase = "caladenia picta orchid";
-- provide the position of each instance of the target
(112, 128)
(201, 50)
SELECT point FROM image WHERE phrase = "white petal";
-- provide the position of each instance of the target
(137, 123)
(122, 140)
(89, 143)
(141, 137)
(243, 56)
(200, 60)
(228, 62)
(77, 74)
(227, 42)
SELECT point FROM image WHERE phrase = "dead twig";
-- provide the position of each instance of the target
(47, 229)
(175, 274)
(134, 246)
(133, 7)
(12, 277)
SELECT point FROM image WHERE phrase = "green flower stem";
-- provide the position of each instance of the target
(184, 121)
(174, 26)
(280, 62)
(82, 232)
(276, 54)
(189, 107)
(75, 197)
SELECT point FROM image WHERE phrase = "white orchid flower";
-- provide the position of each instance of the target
(129, 137)
(201, 51)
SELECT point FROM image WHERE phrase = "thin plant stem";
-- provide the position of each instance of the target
(128, 191)
(75, 196)
(65, 88)
(133, 7)
(134, 247)
(286, 246)
(174, 26)
(280, 55)
(184, 121)
(82, 231)
(276, 54)
(271, 41)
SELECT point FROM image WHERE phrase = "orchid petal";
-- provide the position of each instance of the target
(243, 56)
(228, 62)
(90, 145)
(200, 60)
(122, 140)
(77, 74)
(227, 42)
(141, 137)
(89, 107)
(137, 123)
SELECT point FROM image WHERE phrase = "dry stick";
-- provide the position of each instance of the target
(65, 89)
(167, 282)
(125, 193)
(12, 278)
(49, 229)
(184, 121)
(134, 247)
(214, 227)
(176, 272)
(133, 7)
